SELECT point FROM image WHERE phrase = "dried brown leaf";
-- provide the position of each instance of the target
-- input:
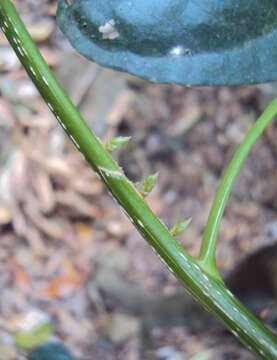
(44, 191)
(49, 226)
(77, 203)
(64, 285)
(125, 99)
(22, 279)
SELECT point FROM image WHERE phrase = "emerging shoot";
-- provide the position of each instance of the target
(148, 185)
(180, 227)
(117, 143)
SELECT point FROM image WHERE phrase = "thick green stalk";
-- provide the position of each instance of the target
(208, 288)
(207, 253)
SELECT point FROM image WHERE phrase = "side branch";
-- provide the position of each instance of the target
(207, 254)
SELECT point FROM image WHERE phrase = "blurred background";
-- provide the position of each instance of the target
(67, 253)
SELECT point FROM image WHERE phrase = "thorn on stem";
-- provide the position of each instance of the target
(148, 184)
(117, 143)
(180, 227)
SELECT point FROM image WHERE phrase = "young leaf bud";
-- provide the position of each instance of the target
(180, 227)
(148, 184)
(117, 143)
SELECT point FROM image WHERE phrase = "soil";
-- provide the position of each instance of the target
(59, 226)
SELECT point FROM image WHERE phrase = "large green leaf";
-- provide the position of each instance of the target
(189, 42)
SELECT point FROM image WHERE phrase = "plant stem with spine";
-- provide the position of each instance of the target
(205, 286)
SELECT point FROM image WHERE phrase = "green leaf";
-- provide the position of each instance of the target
(148, 184)
(180, 227)
(189, 42)
(31, 339)
(33, 328)
(117, 143)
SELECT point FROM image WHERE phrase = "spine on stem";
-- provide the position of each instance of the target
(204, 285)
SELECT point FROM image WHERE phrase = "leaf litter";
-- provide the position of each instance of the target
(59, 227)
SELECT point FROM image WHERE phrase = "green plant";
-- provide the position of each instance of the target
(188, 42)
(200, 276)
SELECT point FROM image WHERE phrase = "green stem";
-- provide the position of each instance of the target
(207, 254)
(208, 289)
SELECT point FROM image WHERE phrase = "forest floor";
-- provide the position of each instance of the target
(59, 226)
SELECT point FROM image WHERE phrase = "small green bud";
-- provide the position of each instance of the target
(148, 184)
(180, 227)
(117, 143)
